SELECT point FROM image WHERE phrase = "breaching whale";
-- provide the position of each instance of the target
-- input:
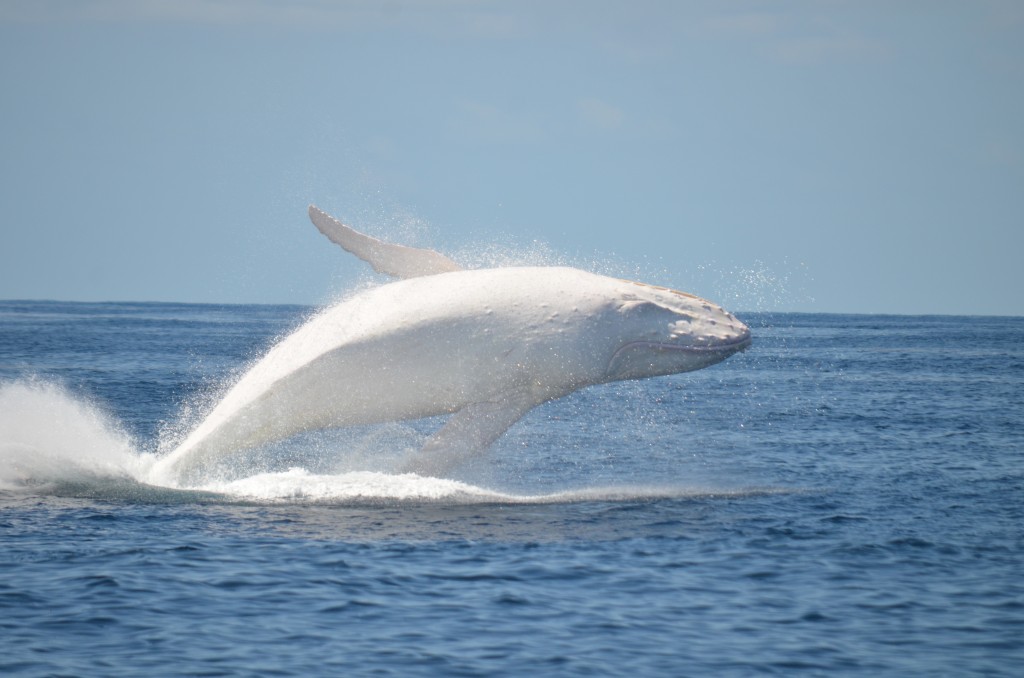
(485, 346)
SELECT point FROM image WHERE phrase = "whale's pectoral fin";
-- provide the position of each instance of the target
(468, 432)
(394, 260)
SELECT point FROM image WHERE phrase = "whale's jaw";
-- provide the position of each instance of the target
(641, 359)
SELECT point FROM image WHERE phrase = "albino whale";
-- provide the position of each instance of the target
(485, 346)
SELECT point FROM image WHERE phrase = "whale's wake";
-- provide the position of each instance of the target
(58, 443)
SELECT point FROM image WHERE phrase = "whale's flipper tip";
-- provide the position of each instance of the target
(398, 261)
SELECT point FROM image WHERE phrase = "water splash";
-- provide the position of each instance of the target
(55, 441)
(49, 436)
(760, 286)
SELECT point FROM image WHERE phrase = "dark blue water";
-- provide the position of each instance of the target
(847, 497)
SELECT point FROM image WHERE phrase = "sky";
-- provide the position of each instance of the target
(820, 156)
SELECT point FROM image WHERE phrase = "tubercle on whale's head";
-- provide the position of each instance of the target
(664, 331)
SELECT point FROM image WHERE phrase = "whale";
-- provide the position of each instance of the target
(484, 346)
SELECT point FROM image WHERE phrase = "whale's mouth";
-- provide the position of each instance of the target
(640, 359)
(741, 343)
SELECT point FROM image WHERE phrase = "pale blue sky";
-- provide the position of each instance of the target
(817, 156)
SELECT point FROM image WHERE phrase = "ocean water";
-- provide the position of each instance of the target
(845, 498)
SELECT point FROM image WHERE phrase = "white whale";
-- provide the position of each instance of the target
(485, 346)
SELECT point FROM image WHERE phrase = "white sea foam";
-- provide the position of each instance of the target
(298, 485)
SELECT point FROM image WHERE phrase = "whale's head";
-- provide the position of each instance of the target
(662, 331)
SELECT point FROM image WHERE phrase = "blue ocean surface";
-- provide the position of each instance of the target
(845, 498)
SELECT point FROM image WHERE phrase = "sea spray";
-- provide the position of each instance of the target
(51, 436)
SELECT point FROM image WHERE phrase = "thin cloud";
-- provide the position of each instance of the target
(483, 122)
(817, 49)
(796, 36)
(741, 25)
(462, 16)
(599, 115)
